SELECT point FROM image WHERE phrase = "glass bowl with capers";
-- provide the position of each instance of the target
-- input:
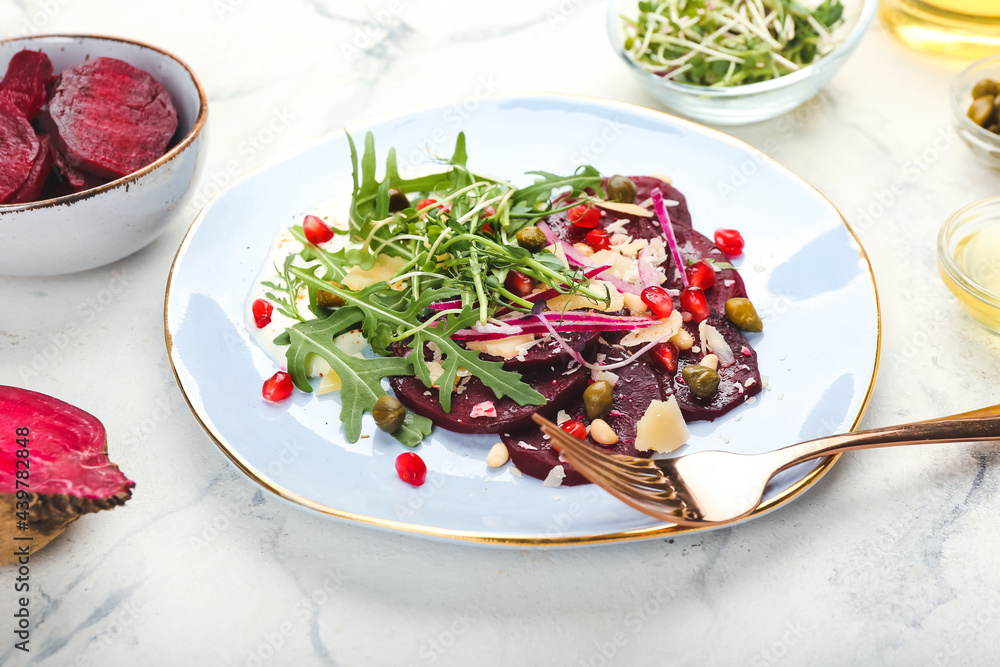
(975, 104)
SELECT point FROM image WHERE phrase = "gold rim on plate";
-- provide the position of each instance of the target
(650, 532)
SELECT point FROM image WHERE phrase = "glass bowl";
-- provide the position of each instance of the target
(753, 102)
(969, 260)
(984, 144)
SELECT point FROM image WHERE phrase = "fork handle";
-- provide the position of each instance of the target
(983, 424)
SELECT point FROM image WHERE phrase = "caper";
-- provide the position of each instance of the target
(397, 200)
(981, 111)
(984, 87)
(597, 399)
(741, 312)
(621, 189)
(389, 414)
(325, 299)
(532, 239)
(629, 43)
(702, 380)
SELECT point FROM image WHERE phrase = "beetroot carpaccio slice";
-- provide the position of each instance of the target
(737, 382)
(76, 179)
(554, 383)
(109, 118)
(25, 83)
(69, 473)
(638, 385)
(18, 149)
(33, 185)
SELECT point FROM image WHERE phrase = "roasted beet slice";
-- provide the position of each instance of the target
(553, 383)
(18, 149)
(645, 185)
(109, 118)
(69, 474)
(24, 84)
(733, 387)
(76, 179)
(40, 170)
(638, 385)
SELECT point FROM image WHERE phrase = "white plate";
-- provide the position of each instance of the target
(803, 268)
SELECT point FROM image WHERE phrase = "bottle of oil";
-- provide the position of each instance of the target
(961, 29)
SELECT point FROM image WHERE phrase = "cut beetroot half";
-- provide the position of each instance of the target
(40, 170)
(65, 474)
(109, 118)
(18, 149)
(24, 85)
(76, 179)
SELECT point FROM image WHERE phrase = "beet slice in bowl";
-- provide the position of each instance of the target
(18, 149)
(32, 186)
(26, 81)
(67, 473)
(109, 118)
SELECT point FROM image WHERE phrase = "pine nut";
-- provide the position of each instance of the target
(584, 249)
(683, 340)
(498, 456)
(710, 361)
(634, 303)
(601, 432)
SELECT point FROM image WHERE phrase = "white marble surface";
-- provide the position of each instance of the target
(888, 560)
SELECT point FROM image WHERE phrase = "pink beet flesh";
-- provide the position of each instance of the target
(67, 448)
(109, 118)
(24, 84)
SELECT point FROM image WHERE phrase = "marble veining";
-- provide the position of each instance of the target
(890, 559)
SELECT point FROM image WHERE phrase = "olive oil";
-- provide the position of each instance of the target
(977, 256)
(961, 29)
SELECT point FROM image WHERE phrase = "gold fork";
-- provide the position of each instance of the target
(721, 487)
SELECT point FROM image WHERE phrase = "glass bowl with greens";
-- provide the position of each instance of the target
(730, 62)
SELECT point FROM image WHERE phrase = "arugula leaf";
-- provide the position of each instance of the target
(584, 177)
(361, 379)
(501, 383)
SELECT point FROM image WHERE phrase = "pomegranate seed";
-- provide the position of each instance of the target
(693, 301)
(584, 216)
(701, 274)
(424, 203)
(729, 241)
(262, 310)
(598, 239)
(316, 230)
(658, 300)
(664, 357)
(575, 427)
(489, 211)
(278, 387)
(411, 468)
(518, 283)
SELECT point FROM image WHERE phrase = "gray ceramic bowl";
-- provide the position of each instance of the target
(98, 226)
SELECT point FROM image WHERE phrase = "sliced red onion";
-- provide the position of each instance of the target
(570, 322)
(600, 367)
(620, 285)
(446, 305)
(668, 231)
(572, 254)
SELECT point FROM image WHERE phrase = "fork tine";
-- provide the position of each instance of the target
(617, 479)
(638, 470)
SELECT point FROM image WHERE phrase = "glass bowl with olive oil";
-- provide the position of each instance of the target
(969, 260)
